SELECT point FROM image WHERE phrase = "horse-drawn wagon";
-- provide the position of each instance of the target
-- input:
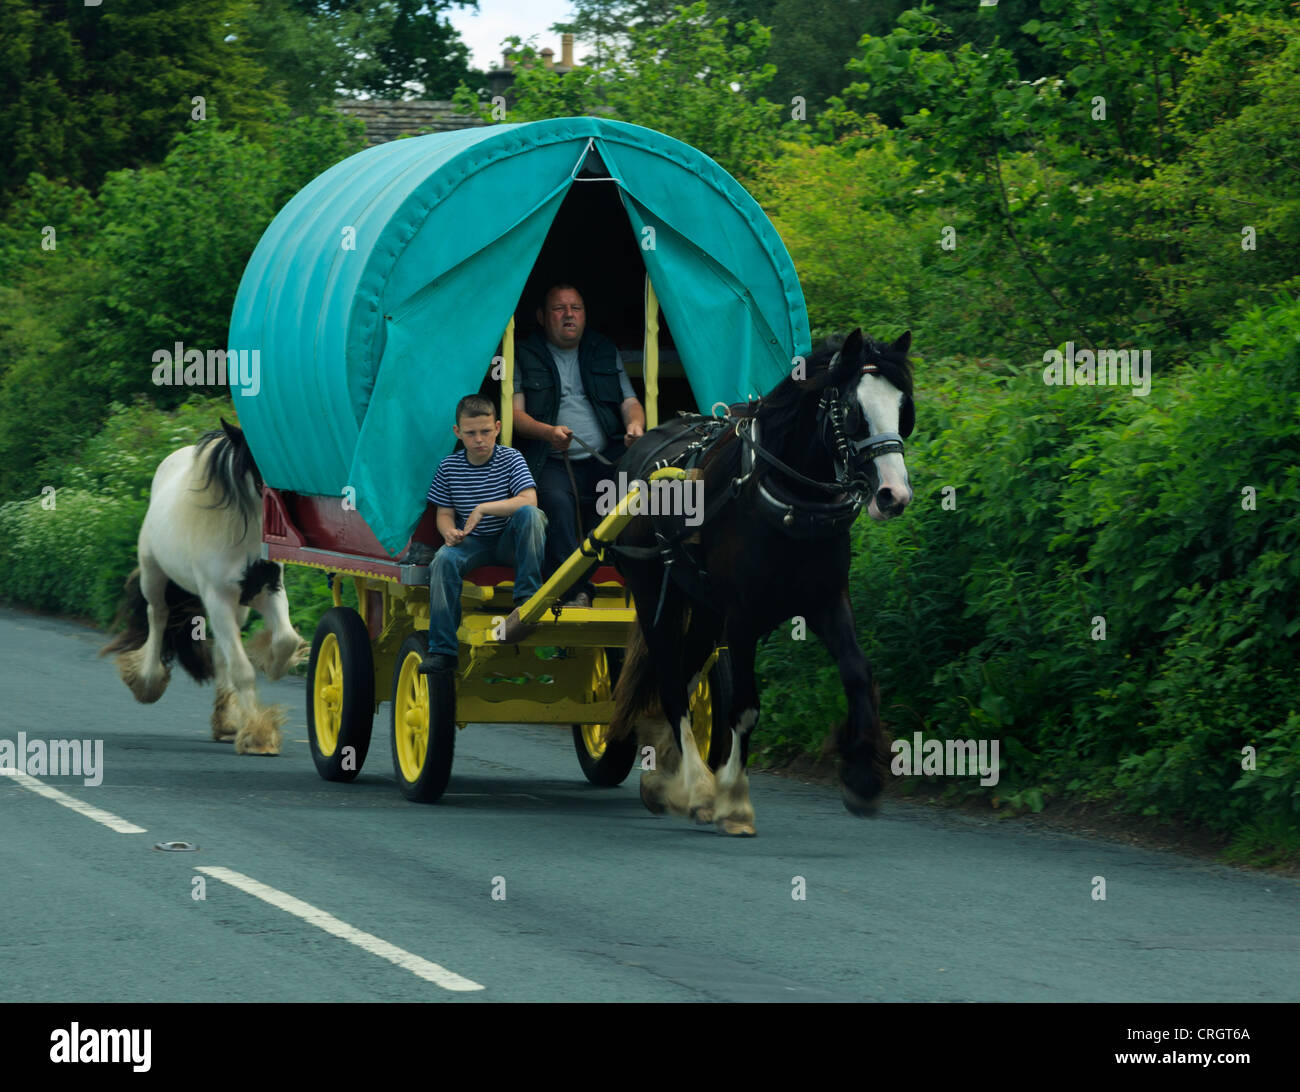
(389, 287)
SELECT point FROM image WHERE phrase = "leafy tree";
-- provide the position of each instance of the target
(700, 78)
(1038, 176)
(156, 258)
(384, 48)
(1222, 221)
(695, 77)
(85, 90)
(813, 40)
(605, 24)
(859, 265)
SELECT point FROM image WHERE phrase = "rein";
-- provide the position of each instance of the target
(573, 483)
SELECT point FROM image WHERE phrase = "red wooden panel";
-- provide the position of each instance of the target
(295, 519)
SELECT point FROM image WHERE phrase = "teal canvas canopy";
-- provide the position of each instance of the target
(377, 297)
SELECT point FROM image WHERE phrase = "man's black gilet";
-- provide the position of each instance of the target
(537, 378)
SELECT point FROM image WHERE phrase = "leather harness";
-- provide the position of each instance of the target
(793, 516)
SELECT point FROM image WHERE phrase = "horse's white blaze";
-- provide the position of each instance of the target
(881, 402)
(892, 472)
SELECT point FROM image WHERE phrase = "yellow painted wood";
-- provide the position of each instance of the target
(473, 710)
(578, 563)
(475, 593)
(589, 628)
(650, 357)
(508, 383)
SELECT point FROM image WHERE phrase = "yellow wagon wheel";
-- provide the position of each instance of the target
(423, 724)
(340, 695)
(710, 708)
(604, 761)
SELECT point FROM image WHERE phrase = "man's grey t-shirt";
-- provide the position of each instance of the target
(575, 411)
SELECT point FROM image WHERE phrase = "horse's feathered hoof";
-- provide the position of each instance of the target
(276, 659)
(146, 689)
(861, 807)
(260, 734)
(224, 709)
(651, 801)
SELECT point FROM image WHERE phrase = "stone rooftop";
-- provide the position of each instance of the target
(387, 119)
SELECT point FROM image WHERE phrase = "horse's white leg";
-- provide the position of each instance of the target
(697, 781)
(257, 727)
(681, 783)
(142, 669)
(279, 646)
(654, 732)
(257, 647)
(734, 812)
(225, 710)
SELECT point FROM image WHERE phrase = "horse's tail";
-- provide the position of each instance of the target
(231, 472)
(637, 692)
(180, 641)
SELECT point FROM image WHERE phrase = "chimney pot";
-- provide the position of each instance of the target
(548, 57)
(566, 50)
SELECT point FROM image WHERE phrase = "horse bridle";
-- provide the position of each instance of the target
(840, 421)
(844, 419)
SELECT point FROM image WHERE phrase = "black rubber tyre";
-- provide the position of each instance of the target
(605, 763)
(340, 695)
(423, 724)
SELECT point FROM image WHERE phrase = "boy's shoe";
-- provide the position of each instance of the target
(516, 630)
(582, 599)
(438, 662)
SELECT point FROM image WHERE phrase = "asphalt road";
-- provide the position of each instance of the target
(377, 899)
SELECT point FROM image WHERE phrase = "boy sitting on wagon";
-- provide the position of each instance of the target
(487, 513)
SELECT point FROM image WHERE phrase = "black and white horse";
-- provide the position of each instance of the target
(200, 553)
(781, 488)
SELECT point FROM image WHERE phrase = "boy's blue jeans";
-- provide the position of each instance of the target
(520, 544)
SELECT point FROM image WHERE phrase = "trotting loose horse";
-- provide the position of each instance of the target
(200, 553)
(782, 484)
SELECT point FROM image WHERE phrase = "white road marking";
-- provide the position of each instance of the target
(430, 972)
(39, 787)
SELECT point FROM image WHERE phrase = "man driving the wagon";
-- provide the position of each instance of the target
(574, 413)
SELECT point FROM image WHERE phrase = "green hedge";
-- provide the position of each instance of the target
(1073, 503)
(72, 553)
